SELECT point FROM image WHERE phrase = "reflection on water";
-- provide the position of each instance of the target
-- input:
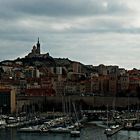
(88, 133)
(131, 135)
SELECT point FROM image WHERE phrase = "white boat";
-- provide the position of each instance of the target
(60, 130)
(107, 130)
(128, 125)
(75, 133)
(137, 126)
(30, 129)
(2, 123)
(12, 120)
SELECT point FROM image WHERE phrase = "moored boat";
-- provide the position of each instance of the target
(33, 129)
(128, 126)
(112, 130)
(137, 126)
(60, 130)
(28, 129)
(75, 133)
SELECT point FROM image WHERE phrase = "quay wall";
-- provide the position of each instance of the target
(93, 101)
(98, 101)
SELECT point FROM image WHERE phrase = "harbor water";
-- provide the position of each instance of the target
(87, 133)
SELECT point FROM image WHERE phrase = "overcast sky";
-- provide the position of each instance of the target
(92, 32)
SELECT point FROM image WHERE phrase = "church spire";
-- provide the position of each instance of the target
(38, 46)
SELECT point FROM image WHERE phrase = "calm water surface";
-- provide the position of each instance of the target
(88, 133)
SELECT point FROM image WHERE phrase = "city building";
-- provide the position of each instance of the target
(7, 100)
(112, 85)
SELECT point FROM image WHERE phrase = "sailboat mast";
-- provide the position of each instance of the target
(107, 116)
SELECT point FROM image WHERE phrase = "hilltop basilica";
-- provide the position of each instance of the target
(35, 52)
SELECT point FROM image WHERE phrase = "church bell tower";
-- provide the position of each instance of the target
(38, 46)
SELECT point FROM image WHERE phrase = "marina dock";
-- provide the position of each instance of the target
(111, 131)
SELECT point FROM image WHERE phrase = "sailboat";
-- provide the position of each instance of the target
(109, 131)
(2, 123)
(75, 132)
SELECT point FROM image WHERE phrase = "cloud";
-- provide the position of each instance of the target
(62, 8)
(52, 16)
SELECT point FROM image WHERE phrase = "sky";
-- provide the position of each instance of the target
(92, 32)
